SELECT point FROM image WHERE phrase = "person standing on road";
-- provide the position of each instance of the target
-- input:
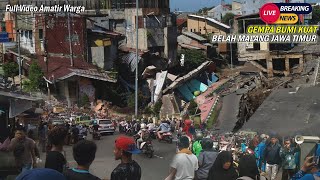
(184, 164)
(287, 154)
(206, 159)
(56, 157)
(222, 167)
(259, 152)
(84, 153)
(23, 150)
(42, 133)
(128, 169)
(272, 158)
(196, 146)
(248, 169)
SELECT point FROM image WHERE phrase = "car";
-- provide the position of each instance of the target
(105, 126)
(56, 121)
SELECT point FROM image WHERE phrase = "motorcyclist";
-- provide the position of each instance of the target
(163, 128)
(141, 134)
(150, 125)
(95, 127)
(197, 147)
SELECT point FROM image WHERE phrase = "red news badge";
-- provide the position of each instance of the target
(269, 13)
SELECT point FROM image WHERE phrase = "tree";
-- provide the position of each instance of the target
(192, 59)
(36, 81)
(225, 19)
(204, 11)
(11, 69)
(315, 15)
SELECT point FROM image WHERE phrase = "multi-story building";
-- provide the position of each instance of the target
(219, 11)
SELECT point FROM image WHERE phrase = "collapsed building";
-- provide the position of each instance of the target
(270, 58)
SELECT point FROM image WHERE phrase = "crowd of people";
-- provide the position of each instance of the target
(234, 157)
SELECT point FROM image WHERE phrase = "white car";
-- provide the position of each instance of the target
(105, 126)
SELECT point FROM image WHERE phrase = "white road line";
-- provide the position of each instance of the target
(158, 156)
(316, 74)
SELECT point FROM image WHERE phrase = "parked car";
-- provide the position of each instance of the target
(105, 126)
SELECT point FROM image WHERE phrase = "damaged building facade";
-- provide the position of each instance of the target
(270, 58)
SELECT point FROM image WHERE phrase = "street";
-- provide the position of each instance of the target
(156, 168)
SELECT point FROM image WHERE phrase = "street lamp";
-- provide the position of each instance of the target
(230, 45)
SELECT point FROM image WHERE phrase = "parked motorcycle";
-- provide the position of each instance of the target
(167, 137)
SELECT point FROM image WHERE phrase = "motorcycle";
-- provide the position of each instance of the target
(167, 136)
(153, 133)
(129, 130)
(82, 136)
(146, 146)
(96, 135)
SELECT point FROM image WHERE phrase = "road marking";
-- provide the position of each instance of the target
(158, 156)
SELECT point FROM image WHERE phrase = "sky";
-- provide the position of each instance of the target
(193, 5)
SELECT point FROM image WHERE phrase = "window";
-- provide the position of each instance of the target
(194, 30)
(30, 34)
(253, 11)
(40, 34)
(190, 30)
(200, 30)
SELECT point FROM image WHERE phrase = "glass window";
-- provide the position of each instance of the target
(105, 122)
(40, 34)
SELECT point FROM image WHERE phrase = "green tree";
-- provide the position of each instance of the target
(225, 19)
(36, 81)
(192, 59)
(204, 11)
(315, 15)
(11, 69)
(84, 101)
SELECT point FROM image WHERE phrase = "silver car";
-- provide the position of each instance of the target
(105, 126)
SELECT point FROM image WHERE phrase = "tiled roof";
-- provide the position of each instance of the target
(60, 68)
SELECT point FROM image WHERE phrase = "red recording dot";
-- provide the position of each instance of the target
(269, 13)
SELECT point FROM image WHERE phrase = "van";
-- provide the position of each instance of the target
(83, 120)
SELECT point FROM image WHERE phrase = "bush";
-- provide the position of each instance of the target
(193, 108)
(84, 100)
(36, 81)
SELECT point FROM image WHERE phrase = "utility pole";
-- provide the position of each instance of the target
(44, 31)
(70, 39)
(231, 45)
(19, 53)
(137, 59)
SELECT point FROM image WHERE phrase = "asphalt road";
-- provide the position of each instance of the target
(156, 168)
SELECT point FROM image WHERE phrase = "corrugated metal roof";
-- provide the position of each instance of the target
(178, 82)
(188, 46)
(194, 36)
(19, 96)
(184, 39)
(130, 59)
(211, 20)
